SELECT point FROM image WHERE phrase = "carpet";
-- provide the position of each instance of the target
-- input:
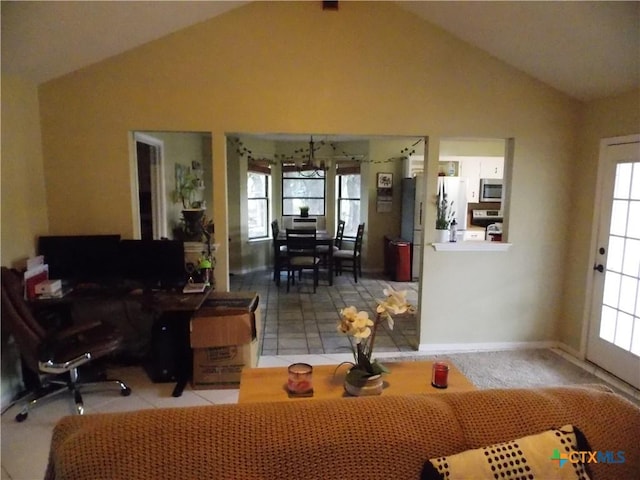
(518, 369)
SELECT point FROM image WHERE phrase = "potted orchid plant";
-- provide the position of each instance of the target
(361, 332)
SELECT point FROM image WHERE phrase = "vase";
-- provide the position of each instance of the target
(192, 227)
(365, 387)
(442, 235)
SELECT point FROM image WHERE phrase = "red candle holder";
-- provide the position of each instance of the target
(440, 375)
(300, 382)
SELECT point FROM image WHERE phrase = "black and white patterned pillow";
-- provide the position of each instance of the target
(545, 455)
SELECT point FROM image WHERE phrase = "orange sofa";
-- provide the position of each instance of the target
(385, 438)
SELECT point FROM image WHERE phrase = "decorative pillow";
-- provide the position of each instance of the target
(544, 455)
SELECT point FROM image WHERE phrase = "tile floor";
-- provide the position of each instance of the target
(303, 322)
(298, 326)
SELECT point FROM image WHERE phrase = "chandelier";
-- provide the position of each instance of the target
(304, 161)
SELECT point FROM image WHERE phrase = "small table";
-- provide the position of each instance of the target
(270, 384)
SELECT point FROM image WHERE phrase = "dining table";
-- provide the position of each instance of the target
(322, 238)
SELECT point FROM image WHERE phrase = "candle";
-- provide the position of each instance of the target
(300, 379)
(440, 375)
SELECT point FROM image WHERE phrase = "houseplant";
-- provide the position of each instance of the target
(444, 215)
(304, 211)
(187, 183)
(365, 375)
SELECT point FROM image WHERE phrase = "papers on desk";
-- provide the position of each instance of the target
(61, 292)
(194, 288)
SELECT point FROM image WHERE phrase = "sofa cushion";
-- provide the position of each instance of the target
(545, 455)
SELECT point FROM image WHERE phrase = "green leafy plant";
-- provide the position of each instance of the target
(186, 185)
(361, 332)
(444, 210)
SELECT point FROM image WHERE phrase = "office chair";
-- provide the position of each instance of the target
(352, 258)
(57, 353)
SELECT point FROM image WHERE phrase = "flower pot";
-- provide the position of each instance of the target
(192, 228)
(442, 235)
(364, 387)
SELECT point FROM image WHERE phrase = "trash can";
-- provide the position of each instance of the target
(401, 260)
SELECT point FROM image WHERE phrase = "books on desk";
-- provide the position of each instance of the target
(37, 272)
(194, 288)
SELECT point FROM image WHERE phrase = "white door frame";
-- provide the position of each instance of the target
(158, 202)
(603, 169)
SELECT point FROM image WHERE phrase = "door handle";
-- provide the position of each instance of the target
(599, 267)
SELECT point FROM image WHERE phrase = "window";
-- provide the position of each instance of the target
(258, 184)
(349, 202)
(300, 188)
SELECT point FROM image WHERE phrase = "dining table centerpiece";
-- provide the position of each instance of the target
(365, 375)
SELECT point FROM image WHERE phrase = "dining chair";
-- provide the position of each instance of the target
(279, 253)
(302, 255)
(351, 259)
(305, 222)
(323, 250)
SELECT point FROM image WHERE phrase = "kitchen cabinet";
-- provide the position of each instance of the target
(470, 169)
(491, 167)
(475, 168)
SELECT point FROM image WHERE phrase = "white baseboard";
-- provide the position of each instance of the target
(570, 350)
(482, 347)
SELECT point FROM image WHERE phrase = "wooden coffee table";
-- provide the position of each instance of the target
(270, 384)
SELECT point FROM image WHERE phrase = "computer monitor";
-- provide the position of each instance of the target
(81, 258)
(154, 263)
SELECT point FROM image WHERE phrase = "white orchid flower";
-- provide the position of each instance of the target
(362, 330)
(355, 323)
(395, 303)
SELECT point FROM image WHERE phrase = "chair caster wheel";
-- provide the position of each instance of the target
(22, 416)
(126, 392)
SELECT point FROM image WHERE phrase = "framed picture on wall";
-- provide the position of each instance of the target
(385, 180)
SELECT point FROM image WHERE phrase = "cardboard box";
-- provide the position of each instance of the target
(221, 367)
(225, 337)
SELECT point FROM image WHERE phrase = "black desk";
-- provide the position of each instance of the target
(173, 309)
(322, 238)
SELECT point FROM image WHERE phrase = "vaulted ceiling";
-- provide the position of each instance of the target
(587, 50)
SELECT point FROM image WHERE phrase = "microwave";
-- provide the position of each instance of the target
(490, 190)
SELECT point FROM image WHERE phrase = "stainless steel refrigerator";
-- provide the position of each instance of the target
(412, 218)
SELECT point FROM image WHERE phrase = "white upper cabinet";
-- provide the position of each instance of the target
(474, 168)
(469, 168)
(491, 167)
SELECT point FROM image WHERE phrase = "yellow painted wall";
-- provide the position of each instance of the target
(22, 202)
(370, 68)
(24, 207)
(606, 118)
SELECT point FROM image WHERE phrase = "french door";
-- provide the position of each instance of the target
(614, 331)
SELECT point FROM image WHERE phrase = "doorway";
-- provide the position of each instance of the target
(152, 223)
(614, 334)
